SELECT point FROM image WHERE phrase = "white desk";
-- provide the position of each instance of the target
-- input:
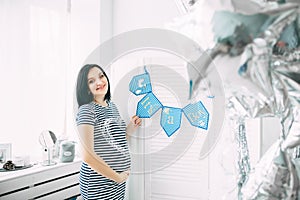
(57, 182)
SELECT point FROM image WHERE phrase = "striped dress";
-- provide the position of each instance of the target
(111, 145)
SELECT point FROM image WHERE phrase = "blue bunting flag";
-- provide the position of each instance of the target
(148, 106)
(170, 121)
(140, 84)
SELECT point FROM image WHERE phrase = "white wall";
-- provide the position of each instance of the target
(134, 14)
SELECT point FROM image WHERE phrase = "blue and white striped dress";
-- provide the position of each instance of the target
(111, 145)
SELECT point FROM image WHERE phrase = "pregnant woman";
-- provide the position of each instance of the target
(103, 136)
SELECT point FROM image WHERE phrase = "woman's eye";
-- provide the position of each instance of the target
(101, 76)
(91, 81)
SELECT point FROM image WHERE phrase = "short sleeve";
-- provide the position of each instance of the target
(115, 108)
(85, 115)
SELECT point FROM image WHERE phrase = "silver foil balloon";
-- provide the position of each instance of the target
(257, 66)
(287, 68)
(273, 98)
(274, 178)
(270, 88)
(250, 7)
(233, 37)
(243, 163)
(272, 83)
(293, 138)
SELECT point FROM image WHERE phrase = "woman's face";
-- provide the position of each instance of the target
(97, 82)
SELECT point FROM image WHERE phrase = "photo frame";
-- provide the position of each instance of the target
(5, 152)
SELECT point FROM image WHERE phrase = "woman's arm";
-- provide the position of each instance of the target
(134, 123)
(86, 136)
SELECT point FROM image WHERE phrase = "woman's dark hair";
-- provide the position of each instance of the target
(83, 94)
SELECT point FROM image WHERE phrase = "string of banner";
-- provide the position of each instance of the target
(170, 121)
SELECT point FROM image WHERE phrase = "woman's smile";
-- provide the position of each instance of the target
(97, 82)
(101, 87)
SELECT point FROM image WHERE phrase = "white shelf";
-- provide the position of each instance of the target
(60, 180)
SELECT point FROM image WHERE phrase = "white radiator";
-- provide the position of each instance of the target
(55, 182)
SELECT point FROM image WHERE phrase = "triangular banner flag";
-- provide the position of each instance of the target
(148, 106)
(170, 119)
(197, 115)
(140, 84)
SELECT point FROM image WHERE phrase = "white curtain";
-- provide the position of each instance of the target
(34, 63)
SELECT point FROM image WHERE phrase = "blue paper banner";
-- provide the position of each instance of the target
(197, 115)
(148, 106)
(170, 116)
(170, 119)
(140, 84)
